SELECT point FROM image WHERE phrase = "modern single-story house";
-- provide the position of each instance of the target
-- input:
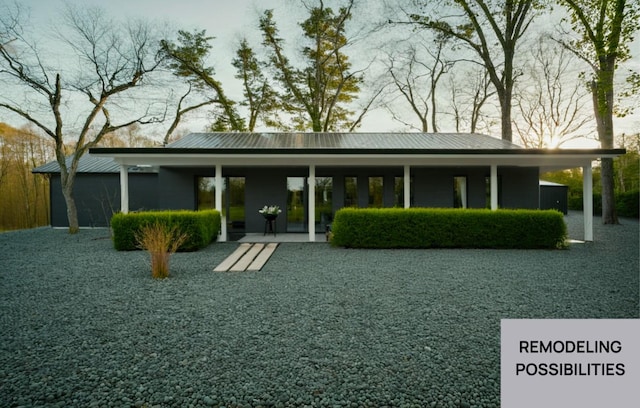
(312, 175)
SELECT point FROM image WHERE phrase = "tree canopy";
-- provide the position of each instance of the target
(316, 94)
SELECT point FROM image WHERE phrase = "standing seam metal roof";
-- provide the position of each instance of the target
(339, 141)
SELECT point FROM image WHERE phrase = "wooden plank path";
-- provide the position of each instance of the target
(247, 257)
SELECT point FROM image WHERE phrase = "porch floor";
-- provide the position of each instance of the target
(284, 237)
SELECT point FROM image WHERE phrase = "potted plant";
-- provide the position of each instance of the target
(270, 212)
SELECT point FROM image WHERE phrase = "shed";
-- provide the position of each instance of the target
(554, 196)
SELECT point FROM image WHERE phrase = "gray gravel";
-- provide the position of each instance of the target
(84, 325)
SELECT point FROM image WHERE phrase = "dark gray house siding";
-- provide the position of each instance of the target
(97, 197)
(98, 194)
(432, 187)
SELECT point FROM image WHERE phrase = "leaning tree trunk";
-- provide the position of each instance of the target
(72, 210)
(67, 177)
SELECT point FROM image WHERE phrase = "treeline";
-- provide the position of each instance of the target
(626, 181)
(24, 196)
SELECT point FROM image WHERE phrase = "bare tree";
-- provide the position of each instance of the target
(470, 92)
(416, 79)
(109, 62)
(553, 105)
(491, 30)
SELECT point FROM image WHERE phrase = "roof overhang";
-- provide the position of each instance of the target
(543, 158)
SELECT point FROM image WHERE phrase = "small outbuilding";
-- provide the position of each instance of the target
(554, 196)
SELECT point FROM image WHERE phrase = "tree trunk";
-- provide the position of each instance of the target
(609, 215)
(602, 92)
(67, 178)
(506, 118)
(72, 211)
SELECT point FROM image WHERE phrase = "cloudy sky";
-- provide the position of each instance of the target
(229, 21)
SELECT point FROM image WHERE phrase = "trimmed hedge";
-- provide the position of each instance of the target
(201, 226)
(448, 228)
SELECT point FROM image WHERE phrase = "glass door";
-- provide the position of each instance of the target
(324, 202)
(234, 205)
(296, 204)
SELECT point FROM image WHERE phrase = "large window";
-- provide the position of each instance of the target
(350, 191)
(234, 207)
(205, 193)
(296, 204)
(460, 192)
(324, 201)
(375, 192)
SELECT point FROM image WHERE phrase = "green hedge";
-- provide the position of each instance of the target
(627, 204)
(201, 226)
(448, 228)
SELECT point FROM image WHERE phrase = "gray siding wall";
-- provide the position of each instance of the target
(98, 197)
(520, 187)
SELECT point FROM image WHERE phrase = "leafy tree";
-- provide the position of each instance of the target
(627, 166)
(259, 96)
(110, 62)
(317, 94)
(605, 29)
(25, 197)
(492, 30)
(187, 59)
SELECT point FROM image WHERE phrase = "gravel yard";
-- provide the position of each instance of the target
(84, 325)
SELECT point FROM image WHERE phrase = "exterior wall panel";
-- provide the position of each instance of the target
(97, 197)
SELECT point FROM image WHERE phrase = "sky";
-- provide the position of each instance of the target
(229, 21)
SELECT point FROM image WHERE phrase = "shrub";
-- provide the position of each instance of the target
(448, 228)
(201, 227)
(627, 204)
(160, 241)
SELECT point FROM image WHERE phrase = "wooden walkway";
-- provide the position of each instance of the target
(247, 257)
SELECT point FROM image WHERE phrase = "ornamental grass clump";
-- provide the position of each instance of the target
(160, 241)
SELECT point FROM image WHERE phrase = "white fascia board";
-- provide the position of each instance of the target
(208, 159)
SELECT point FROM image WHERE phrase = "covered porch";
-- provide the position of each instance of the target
(418, 159)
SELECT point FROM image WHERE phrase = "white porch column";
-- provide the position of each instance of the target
(311, 212)
(124, 188)
(587, 201)
(223, 216)
(494, 187)
(407, 186)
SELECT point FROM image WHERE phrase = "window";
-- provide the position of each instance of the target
(375, 192)
(460, 192)
(205, 193)
(234, 203)
(398, 192)
(324, 201)
(350, 191)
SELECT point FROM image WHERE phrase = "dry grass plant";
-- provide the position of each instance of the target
(160, 241)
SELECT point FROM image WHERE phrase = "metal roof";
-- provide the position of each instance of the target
(332, 149)
(341, 141)
(89, 164)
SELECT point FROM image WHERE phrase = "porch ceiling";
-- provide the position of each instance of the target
(568, 159)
